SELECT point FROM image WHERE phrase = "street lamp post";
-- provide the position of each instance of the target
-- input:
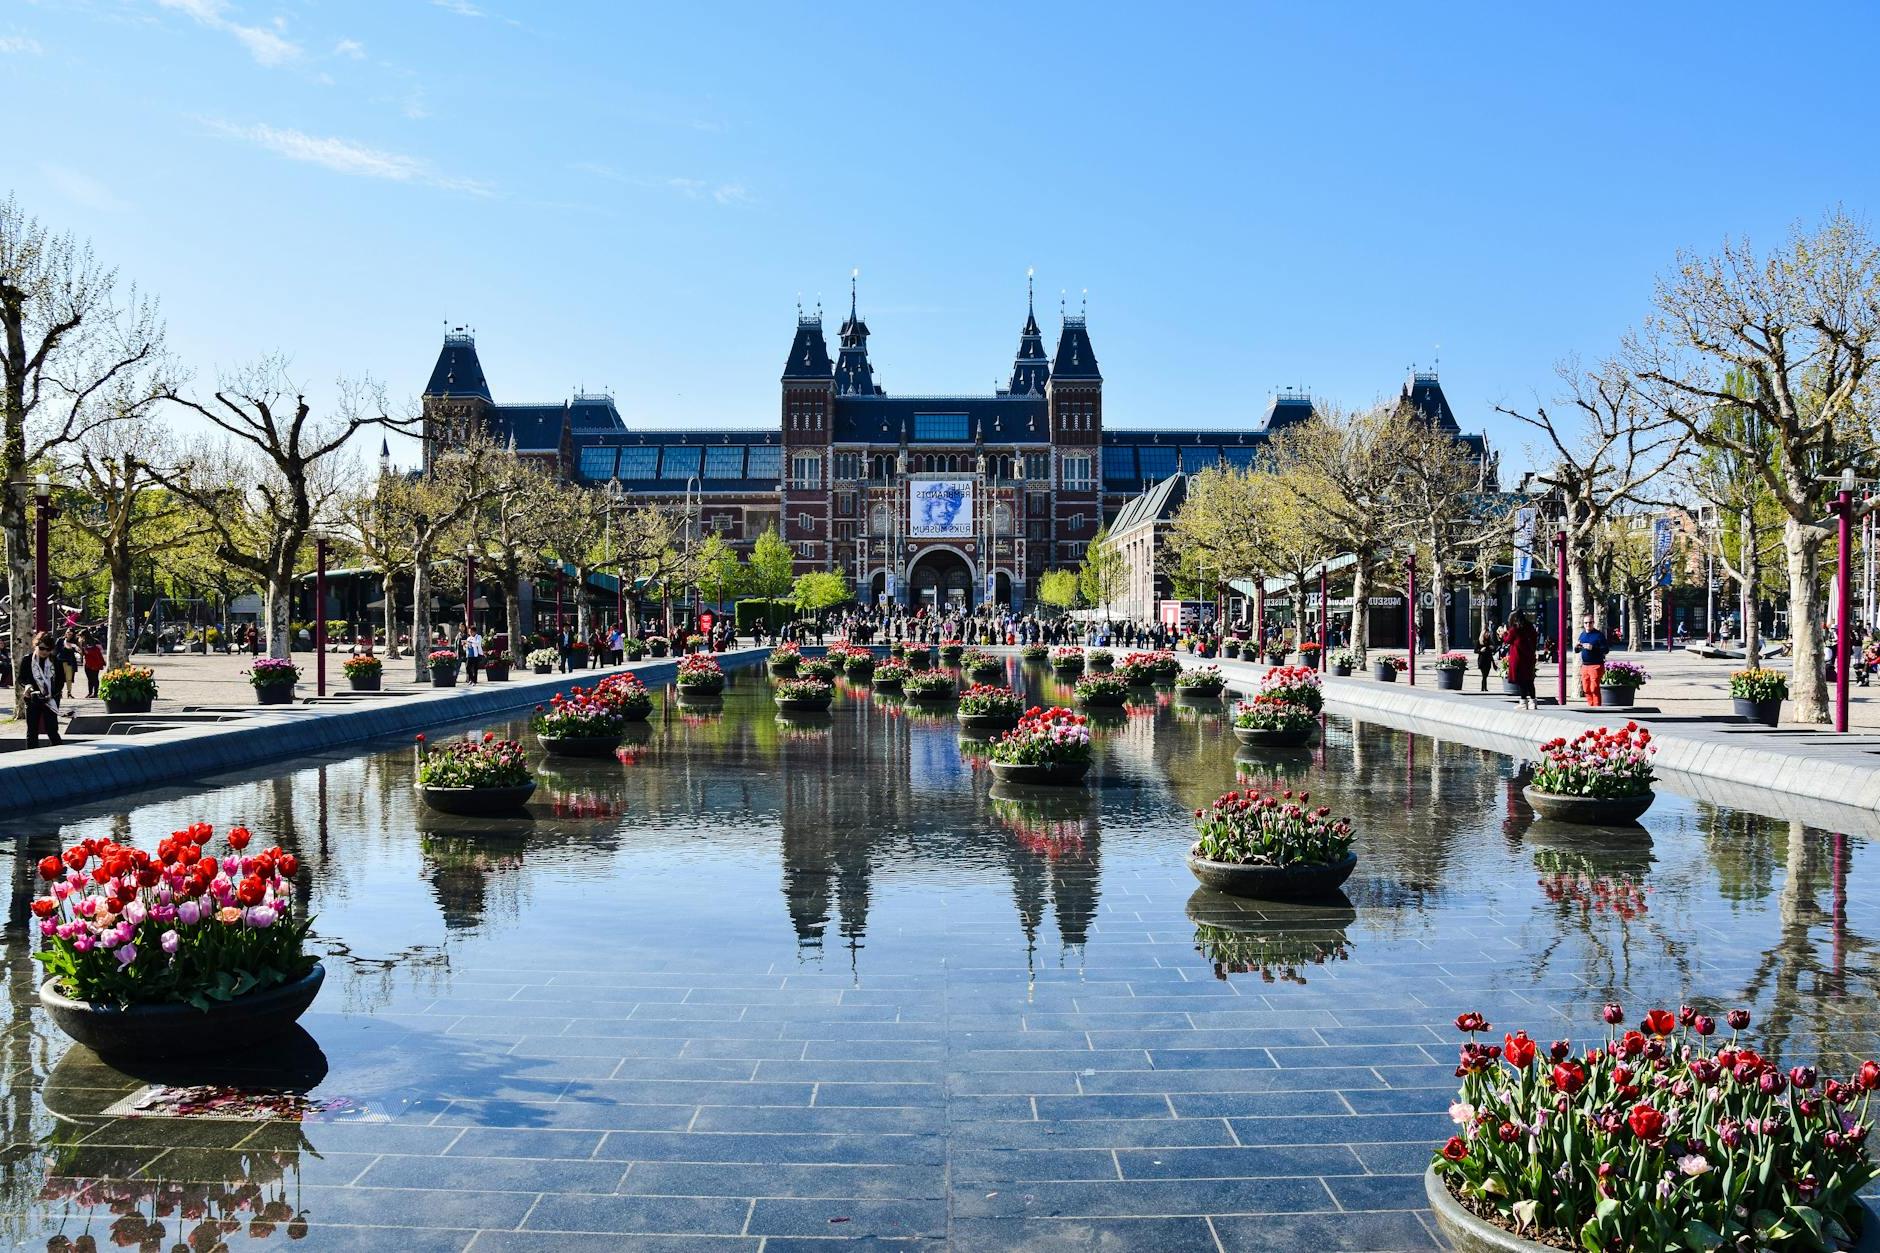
(319, 612)
(469, 588)
(1410, 612)
(1325, 616)
(1560, 615)
(42, 554)
(1843, 644)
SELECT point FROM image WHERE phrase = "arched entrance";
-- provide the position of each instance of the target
(940, 579)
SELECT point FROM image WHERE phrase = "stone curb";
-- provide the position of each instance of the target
(47, 778)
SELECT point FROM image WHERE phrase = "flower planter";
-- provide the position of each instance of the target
(1384, 673)
(782, 671)
(172, 1029)
(1767, 712)
(497, 673)
(1050, 774)
(988, 722)
(1273, 883)
(887, 687)
(1615, 697)
(1468, 1234)
(579, 745)
(803, 705)
(363, 683)
(476, 802)
(1103, 700)
(1265, 737)
(1341, 672)
(1102, 667)
(698, 694)
(1598, 811)
(275, 694)
(141, 705)
(443, 676)
(985, 674)
(542, 669)
(1449, 680)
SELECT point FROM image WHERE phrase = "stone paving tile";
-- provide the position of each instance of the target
(712, 1179)
(849, 1119)
(1079, 1235)
(1238, 1163)
(520, 1174)
(1121, 1133)
(1122, 1198)
(1368, 1232)
(782, 1148)
(700, 1215)
(849, 1218)
(612, 1242)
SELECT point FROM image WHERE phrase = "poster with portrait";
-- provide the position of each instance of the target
(940, 509)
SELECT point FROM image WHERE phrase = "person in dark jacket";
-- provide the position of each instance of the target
(1485, 650)
(1523, 643)
(41, 681)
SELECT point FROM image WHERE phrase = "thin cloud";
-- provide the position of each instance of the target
(462, 8)
(21, 45)
(264, 45)
(690, 188)
(343, 156)
(350, 48)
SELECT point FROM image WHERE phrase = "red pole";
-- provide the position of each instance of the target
(42, 558)
(1843, 643)
(1325, 616)
(561, 586)
(470, 592)
(319, 614)
(1410, 609)
(1259, 619)
(1560, 615)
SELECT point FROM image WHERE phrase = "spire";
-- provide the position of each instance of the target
(1076, 359)
(1031, 369)
(809, 351)
(458, 372)
(854, 376)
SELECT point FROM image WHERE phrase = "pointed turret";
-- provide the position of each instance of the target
(458, 372)
(809, 351)
(854, 377)
(1076, 359)
(1031, 369)
(1423, 397)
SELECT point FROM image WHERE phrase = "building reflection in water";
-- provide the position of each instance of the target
(1281, 943)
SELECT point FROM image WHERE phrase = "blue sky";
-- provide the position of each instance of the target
(633, 196)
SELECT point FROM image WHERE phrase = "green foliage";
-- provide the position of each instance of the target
(1058, 588)
(771, 567)
(820, 590)
(1100, 577)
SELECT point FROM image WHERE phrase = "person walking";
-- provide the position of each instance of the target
(66, 650)
(1485, 649)
(93, 658)
(40, 680)
(1523, 644)
(1592, 647)
(472, 654)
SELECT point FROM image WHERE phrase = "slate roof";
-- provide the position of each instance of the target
(458, 372)
(535, 428)
(1424, 396)
(1159, 503)
(1076, 359)
(1286, 409)
(890, 419)
(594, 413)
(1031, 369)
(809, 352)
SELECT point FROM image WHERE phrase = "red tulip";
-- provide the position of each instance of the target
(1569, 1077)
(1455, 1150)
(1660, 1022)
(1519, 1050)
(1646, 1122)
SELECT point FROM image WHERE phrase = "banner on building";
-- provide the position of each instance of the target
(1524, 544)
(1661, 550)
(940, 509)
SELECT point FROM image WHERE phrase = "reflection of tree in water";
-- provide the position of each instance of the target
(1741, 851)
(1598, 882)
(1278, 942)
(1054, 849)
(1804, 978)
(463, 870)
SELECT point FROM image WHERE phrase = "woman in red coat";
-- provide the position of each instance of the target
(1522, 641)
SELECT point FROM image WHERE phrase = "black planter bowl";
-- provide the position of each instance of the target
(1384, 674)
(987, 722)
(1273, 883)
(1200, 697)
(1103, 700)
(706, 696)
(887, 687)
(477, 802)
(781, 672)
(803, 705)
(275, 694)
(1100, 667)
(1065, 672)
(985, 674)
(1449, 680)
(172, 1029)
(368, 683)
(541, 669)
(497, 674)
(1468, 1234)
(1262, 737)
(1766, 712)
(578, 745)
(1590, 811)
(140, 705)
(443, 678)
(1067, 774)
(1616, 697)
(1341, 672)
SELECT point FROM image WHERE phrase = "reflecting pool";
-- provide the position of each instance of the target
(761, 981)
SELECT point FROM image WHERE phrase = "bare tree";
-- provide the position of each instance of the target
(1803, 324)
(431, 509)
(67, 340)
(1439, 491)
(511, 530)
(279, 474)
(1744, 522)
(1603, 450)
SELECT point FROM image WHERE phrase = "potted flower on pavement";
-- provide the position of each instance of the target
(1100, 660)
(1619, 683)
(1067, 663)
(1757, 695)
(783, 660)
(1048, 747)
(1599, 777)
(1344, 661)
(928, 687)
(1265, 721)
(584, 723)
(1034, 654)
(128, 689)
(1231, 650)
(803, 696)
(544, 660)
(985, 707)
(1451, 669)
(273, 679)
(1508, 686)
(175, 953)
(889, 677)
(1101, 691)
(1386, 669)
(1280, 848)
(474, 776)
(443, 663)
(700, 679)
(1661, 1138)
(496, 666)
(657, 645)
(981, 666)
(364, 673)
(1309, 654)
(1201, 683)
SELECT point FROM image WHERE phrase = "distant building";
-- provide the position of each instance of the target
(916, 499)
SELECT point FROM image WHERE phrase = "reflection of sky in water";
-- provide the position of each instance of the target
(863, 856)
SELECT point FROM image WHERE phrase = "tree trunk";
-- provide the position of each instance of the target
(389, 610)
(1807, 689)
(421, 619)
(1439, 613)
(1751, 551)
(1360, 608)
(118, 626)
(19, 577)
(518, 643)
(277, 612)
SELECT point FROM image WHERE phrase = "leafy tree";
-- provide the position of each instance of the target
(1058, 588)
(1100, 577)
(721, 567)
(772, 566)
(820, 591)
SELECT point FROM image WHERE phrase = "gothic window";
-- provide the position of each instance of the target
(806, 471)
(1077, 474)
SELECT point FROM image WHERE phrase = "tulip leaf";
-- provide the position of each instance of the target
(1809, 1218)
(1701, 1237)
